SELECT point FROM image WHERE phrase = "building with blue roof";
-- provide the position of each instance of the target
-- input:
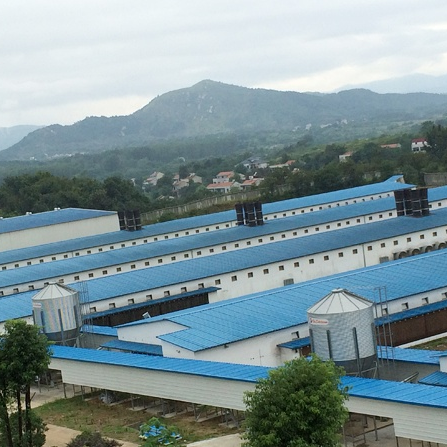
(54, 226)
(416, 411)
(104, 241)
(293, 226)
(252, 328)
(301, 258)
(236, 340)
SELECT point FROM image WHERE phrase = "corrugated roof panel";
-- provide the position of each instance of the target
(407, 393)
(228, 371)
(99, 330)
(233, 260)
(273, 310)
(296, 344)
(136, 348)
(216, 218)
(437, 378)
(191, 242)
(288, 306)
(47, 218)
(421, 356)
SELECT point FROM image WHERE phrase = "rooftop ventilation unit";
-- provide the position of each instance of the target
(412, 202)
(130, 220)
(249, 213)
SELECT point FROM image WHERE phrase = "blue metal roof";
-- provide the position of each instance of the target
(400, 392)
(49, 218)
(223, 217)
(240, 318)
(136, 348)
(174, 245)
(402, 278)
(390, 185)
(383, 352)
(296, 344)
(411, 313)
(229, 371)
(234, 260)
(438, 378)
(422, 356)
(406, 393)
(99, 330)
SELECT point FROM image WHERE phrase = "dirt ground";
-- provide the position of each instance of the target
(58, 436)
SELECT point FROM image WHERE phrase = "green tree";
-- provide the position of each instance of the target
(300, 404)
(24, 354)
(92, 439)
(437, 140)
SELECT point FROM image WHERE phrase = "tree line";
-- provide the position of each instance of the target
(43, 191)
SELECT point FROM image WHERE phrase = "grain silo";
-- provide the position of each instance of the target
(56, 310)
(341, 327)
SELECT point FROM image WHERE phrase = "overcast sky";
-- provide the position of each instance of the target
(61, 61)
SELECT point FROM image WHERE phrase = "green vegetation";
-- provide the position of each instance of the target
(216, 112)
(316, 169)
(24, 354)
(43, 191)
(118, 422)
(440, 344)
(300, 404)
(92, 439)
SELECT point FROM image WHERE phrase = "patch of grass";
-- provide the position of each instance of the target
(438, 345)
(91, 415)
(119, 422)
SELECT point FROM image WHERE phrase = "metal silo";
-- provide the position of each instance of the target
(56, 310)
(341, 327)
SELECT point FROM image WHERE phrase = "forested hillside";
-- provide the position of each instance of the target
(43, 192)
(314, 171)
(214, 110)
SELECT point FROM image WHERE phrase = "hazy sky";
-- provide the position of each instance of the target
(63, 60)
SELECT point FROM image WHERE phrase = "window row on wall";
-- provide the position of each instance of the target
(326, 206)
(380, 250)
(239, 244)
(412, 302)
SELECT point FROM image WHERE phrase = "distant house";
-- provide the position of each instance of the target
(223, 187)
(179, 183)
(249, 183)
(223, 177)
(391, 146)
(418, 145)
(254, 163)
(344, 157)
(153, 179)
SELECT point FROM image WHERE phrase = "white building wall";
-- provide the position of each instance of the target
(178, 256)
(137, 240)
(58, 232)
(221, 393)
(410, 421)
(256, 351)
(147, 333)
(443, 363)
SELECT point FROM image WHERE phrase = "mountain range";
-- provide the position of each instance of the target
(211, 108)
(11, 135)
(417, 82)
